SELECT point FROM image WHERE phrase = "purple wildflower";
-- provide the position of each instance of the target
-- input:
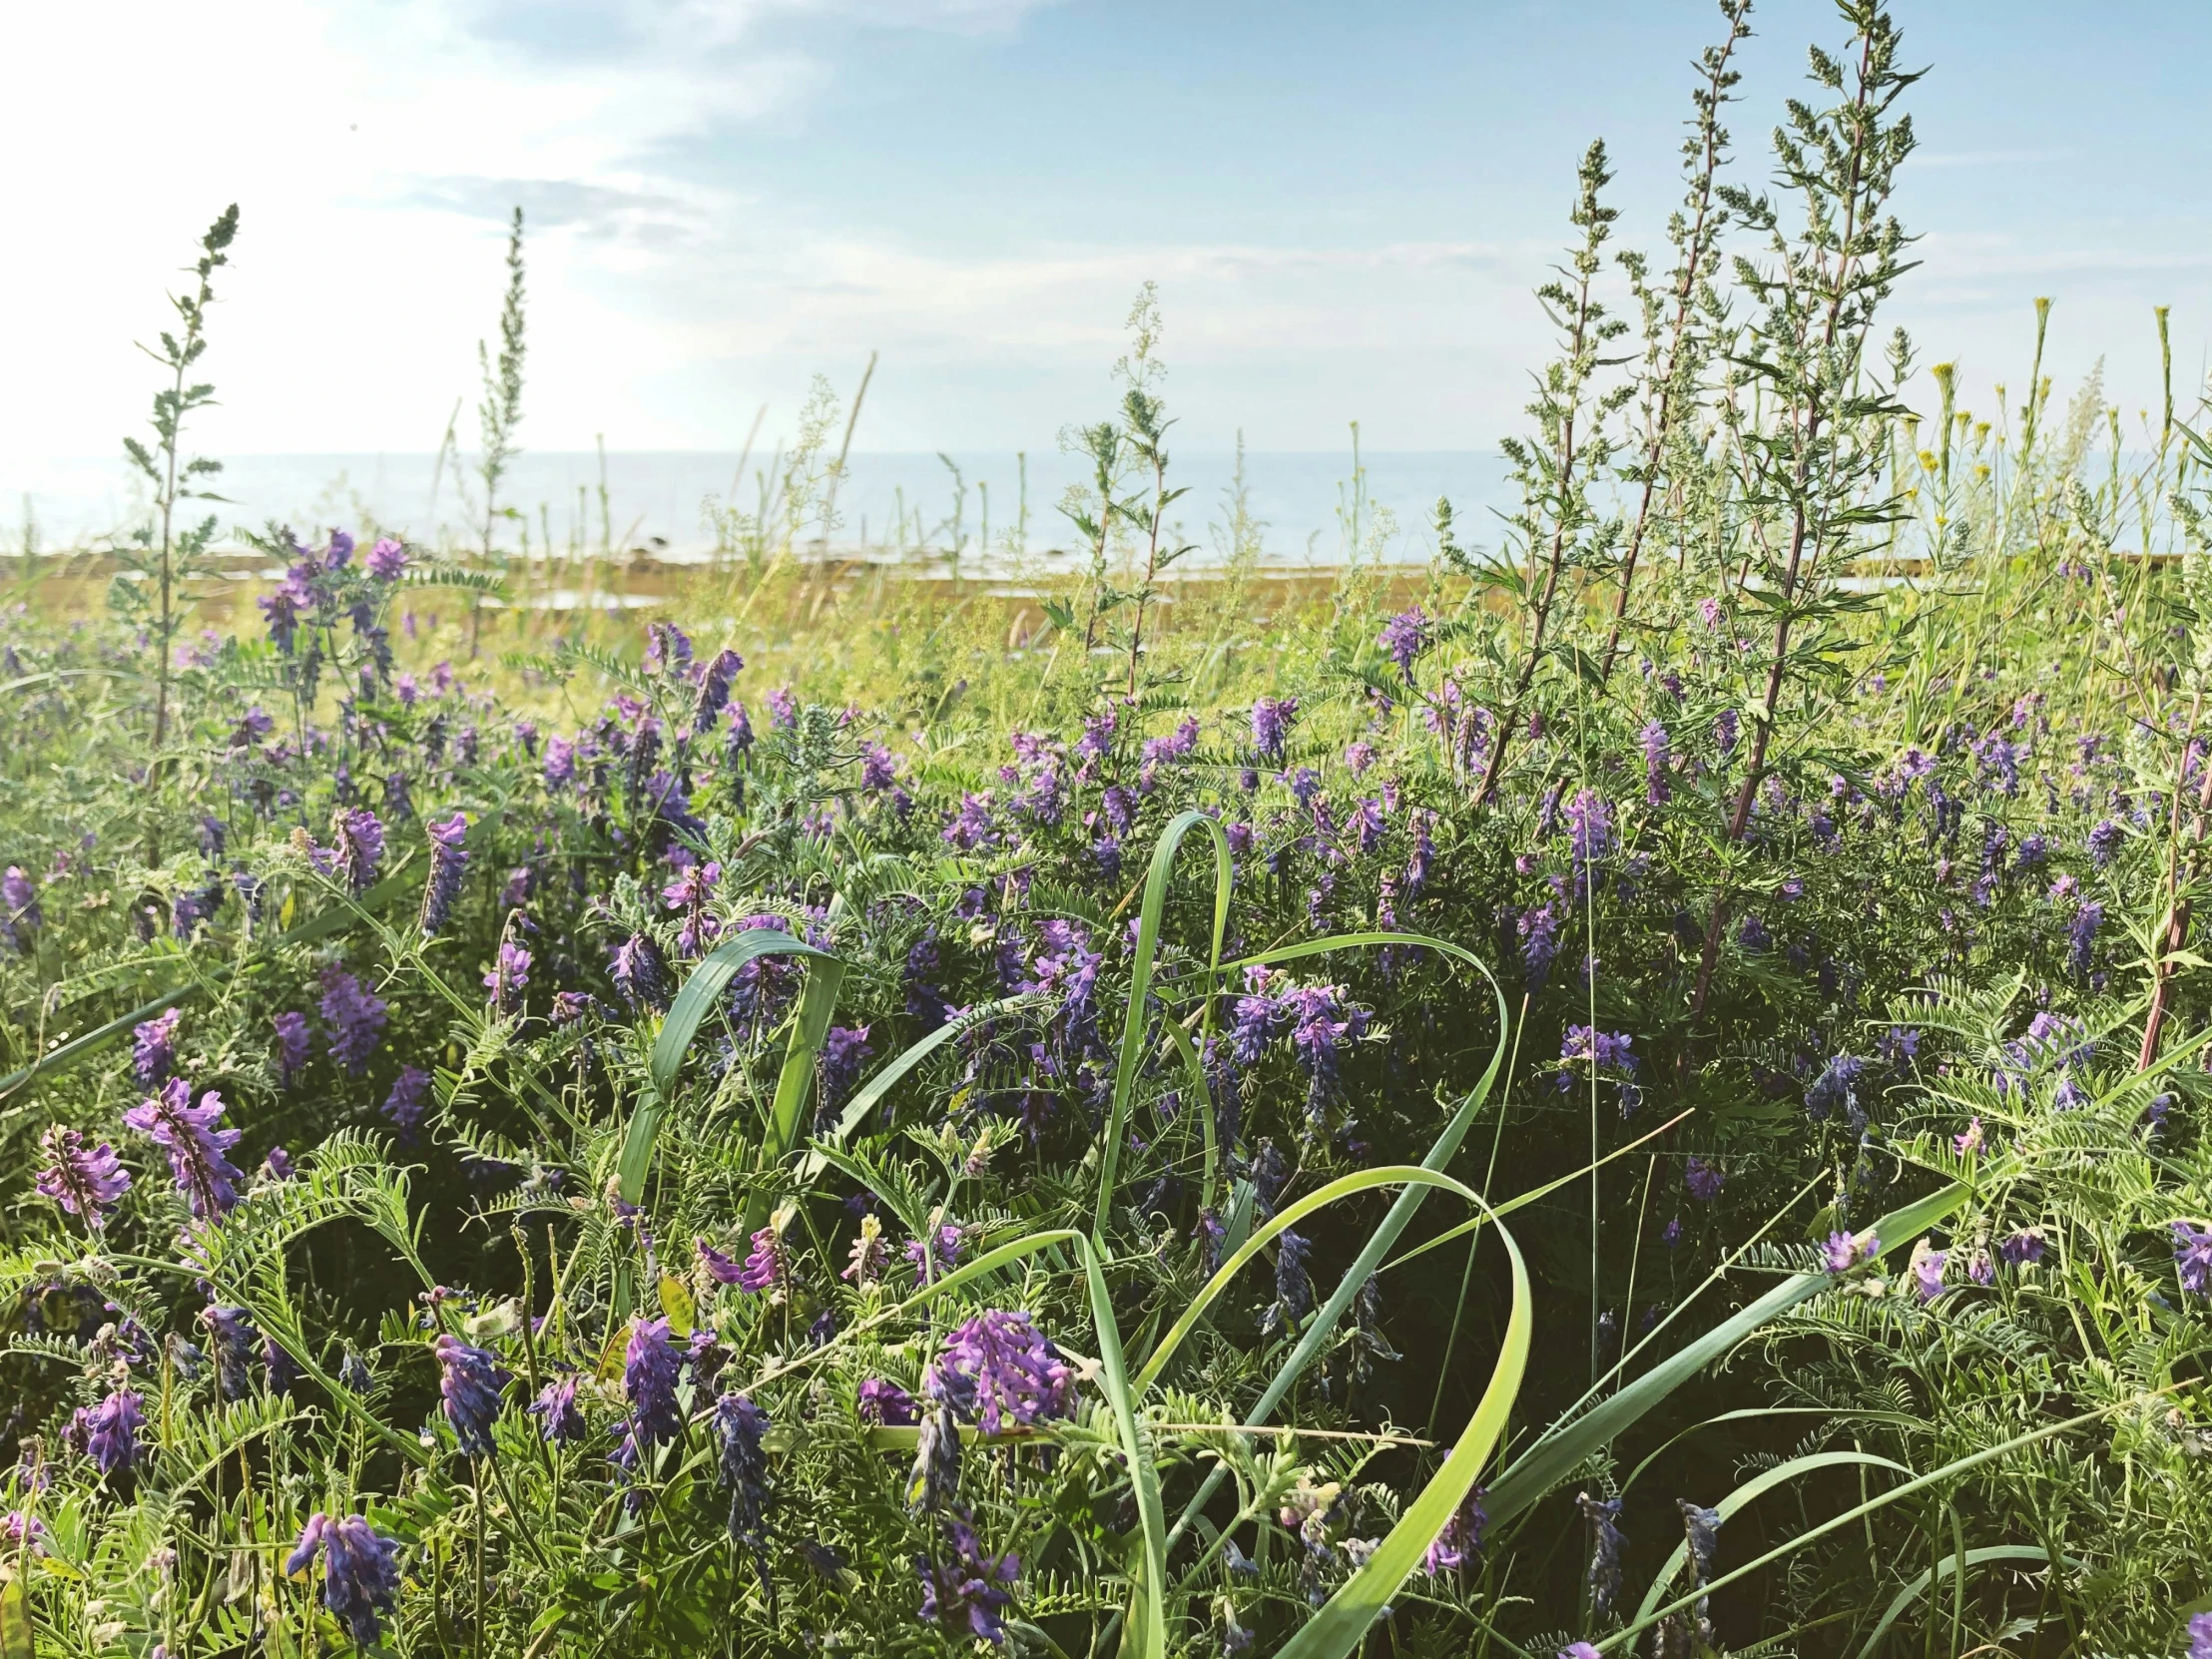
(107, 1432)
(782, 709)
(2193, 1257)
(878, 770)
(1726, 727)
(714, 690)
(196, 1146)
(1589, 830)
(403, 1106)
(999, 1366)
(1540, 935)
(2081, 936)
(2105, 842)
(1845, 1251)
(1928, 1271)
(2022, 1249)
(971, 827)
(360, 1570)
(844, 1049)
(83, 1180)
(470, 1382)
(292, 1045)
(1703, 1179)
(1461, 1538)
(448, 862)
(1653, 737)
(386, 559)
(560, 763)
(153, 1053)
(559, 1422)
(509, 978)
(354, 1017)
(886, 1403)
(360, 845)
(649, 1370)
(639, 972)
(964, 1591)
(1271, 719)
(1405, 636)
(19, 899)
(740, 1425)
(764, 1267)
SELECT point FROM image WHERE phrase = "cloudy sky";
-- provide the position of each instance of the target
(1343, 204)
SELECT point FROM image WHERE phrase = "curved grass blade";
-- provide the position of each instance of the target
(1344, 1619)
(1950, 1563)
(1749, 1491)
(1562, 1448)
(1140, 984)
(703, 989)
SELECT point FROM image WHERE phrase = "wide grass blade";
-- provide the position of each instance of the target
(1344, 1619)
(1949, 1565)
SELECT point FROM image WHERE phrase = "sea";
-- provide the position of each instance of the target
(1309, 507)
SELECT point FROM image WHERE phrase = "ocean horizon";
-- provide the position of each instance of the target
(661, 500)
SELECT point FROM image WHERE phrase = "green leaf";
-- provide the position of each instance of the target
(1948, 1564)
(702, 991)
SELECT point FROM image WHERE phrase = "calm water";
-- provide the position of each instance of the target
(659, 500)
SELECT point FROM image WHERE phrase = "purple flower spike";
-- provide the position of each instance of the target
(470, 1382)
(2193, 1258)
(386, 559)
(360, 1572)
(1405, 637)
(196, 1146)
(509, 978)
(403, 1106)
(354, 1017)
(107, 1432)
(1703, 1179)
(764, 1267)
(560, 1423)
(714, 690)
(448, 863)
(1928, 1273)
(84, 1180)
(648, 1372)
(1271, 719)
(360, 845)
(886, 1403)
(292, 1045)
(964, 1591)
(999, 1366)
(154, 1055)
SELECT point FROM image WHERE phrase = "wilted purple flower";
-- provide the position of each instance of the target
(107, 1432)
(639, 972)
(690, 893)
(154, 1054)
(1845, 1251)
(559, 1422)
(1836, 1089)
(1703, 1179)
(233, 1336)
(83, 1180)
(648, 1372)
(2193, 1257)
(998, 1365)
(937, 1472)
(470, 1382)
(509, 978)
(886, 1403)
(1293, 1287)
(1271, 719)
(448, 863)
(964, 1591)
(1752, 934)
(1607, 1541)
(360, 1572)
(196, 1146)
(354, 1018)
(1405, 636)
(359, 846)
(740, 1425)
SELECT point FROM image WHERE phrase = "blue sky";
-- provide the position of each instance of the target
(1344, 205)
